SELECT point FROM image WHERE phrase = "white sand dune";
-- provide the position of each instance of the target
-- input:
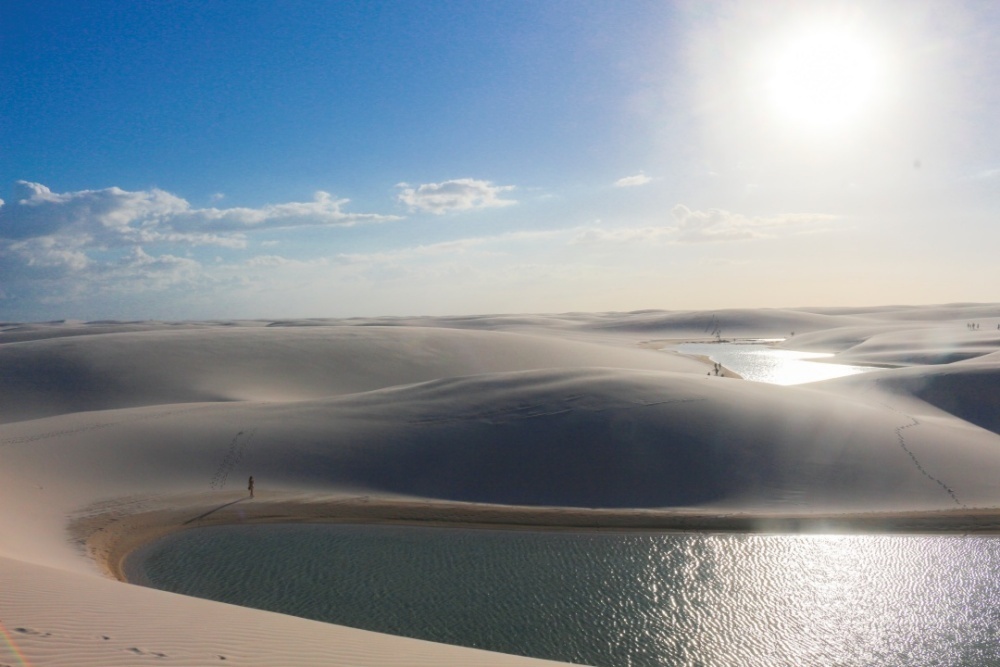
(113, 433)
(157, 365)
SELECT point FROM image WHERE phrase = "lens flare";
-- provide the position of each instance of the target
(12, 647)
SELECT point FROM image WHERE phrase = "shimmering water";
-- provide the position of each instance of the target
(612, 598)
(759, 362)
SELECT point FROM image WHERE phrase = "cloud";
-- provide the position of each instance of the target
(151, 272)
(48, 229)
(716, 225)
(323, 211)
(47, 252)
(114, 216)
(101, 241)
(599, 235)
(984, 175)
(275, 261)
(633, 181)
(461, 194)
(711, 226)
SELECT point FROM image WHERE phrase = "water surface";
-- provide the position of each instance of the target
(612, 598)
(757, 361)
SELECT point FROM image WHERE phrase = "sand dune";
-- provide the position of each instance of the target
(113, 433)
(968, 390)
(155, 366)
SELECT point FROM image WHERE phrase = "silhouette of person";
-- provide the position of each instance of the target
(250, 486)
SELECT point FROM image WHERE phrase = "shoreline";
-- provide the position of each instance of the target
(662, 344)
(111, 544)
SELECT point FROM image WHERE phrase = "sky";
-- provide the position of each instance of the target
(282, 158)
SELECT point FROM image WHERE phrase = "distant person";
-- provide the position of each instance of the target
(250, 486)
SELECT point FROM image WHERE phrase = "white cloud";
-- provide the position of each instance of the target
(633, 181)
(983, 175)
(49, 252)
(324, 210)
(272, 261)
(60, 246)
(716, 225)
(713, 225)
(169, 269)
(113, 216)
(600, 235)
(461, 194)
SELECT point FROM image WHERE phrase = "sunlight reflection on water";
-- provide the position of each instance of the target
(759, 362)
(613, 598)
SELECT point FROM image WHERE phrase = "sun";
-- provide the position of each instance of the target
(823, 78)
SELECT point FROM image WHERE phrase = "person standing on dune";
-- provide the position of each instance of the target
(250, 486)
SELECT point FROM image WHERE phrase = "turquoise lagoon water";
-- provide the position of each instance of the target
(756, 361)
(612, 598)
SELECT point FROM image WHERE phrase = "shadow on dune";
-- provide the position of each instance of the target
(587, 461)
(214, 510)
(972, 394)
(42, 383)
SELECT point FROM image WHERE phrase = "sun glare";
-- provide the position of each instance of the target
(824, 78)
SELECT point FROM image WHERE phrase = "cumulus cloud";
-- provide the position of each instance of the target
(633, 181)
(152, 272)
(461, 194)
(102, 240)
(115, 216)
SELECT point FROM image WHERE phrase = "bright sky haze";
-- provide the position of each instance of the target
(190, 160)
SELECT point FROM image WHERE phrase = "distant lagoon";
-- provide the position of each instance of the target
(612, 598)
(757, 361)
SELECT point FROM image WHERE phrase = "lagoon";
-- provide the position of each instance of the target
(612, 598)
(758, 361)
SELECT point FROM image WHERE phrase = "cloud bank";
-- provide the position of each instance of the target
(113, 215)
(102, 252)
(62, 244)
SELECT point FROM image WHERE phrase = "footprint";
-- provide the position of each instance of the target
(29, 631)
(139, 651)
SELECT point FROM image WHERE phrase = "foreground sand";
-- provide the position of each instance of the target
(114, 433)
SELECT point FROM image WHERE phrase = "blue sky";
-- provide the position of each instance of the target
(182, 160)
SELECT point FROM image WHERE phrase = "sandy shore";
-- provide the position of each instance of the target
(667, 345)
(113, 542)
